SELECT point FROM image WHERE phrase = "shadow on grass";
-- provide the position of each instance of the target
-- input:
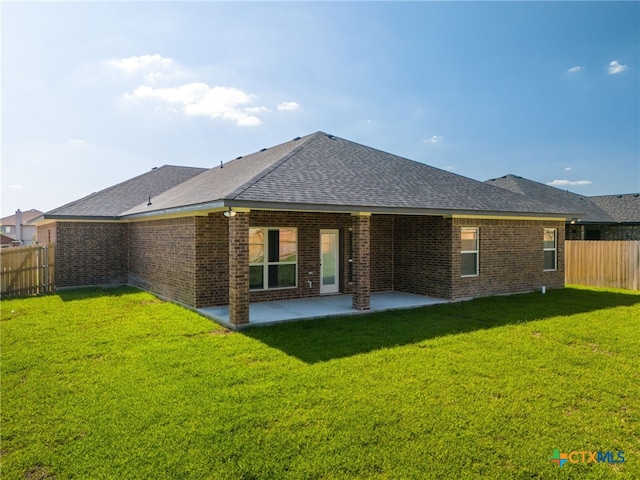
(84, 293)
(321, 340)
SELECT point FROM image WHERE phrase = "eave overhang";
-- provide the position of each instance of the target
(204, 209)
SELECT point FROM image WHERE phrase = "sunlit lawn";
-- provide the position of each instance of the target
(117, 384)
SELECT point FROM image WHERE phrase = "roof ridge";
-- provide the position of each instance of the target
(616, 195)
(552, 195)
(256, 178)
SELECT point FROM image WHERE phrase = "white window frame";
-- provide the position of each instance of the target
(553, 249)
(266, 263)
(476, 251)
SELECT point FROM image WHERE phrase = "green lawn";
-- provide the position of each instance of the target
(118, 384)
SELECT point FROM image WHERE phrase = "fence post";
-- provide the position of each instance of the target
(45, 268)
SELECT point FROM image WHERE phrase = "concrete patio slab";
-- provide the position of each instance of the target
(269, 313)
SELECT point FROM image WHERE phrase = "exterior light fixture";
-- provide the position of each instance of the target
(229, 213)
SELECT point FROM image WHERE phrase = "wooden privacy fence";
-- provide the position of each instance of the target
(605, 263)
(27, 270)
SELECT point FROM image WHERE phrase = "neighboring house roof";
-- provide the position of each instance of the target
(112, 201)
(591, 212)
(325, 172)
(5, 240)
(622, 208)
(27, 216)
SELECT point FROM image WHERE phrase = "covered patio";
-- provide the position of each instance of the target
(270, 313)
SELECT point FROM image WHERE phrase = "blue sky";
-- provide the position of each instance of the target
(96, 93)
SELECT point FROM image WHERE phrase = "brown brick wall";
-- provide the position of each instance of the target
(427, 257)
(163, 258)
(239, 268)
(422, 255)
(511, 258)
(187, 259)
(212, 260)
(90, 253)
(361, 262)
(212, 249)
(606, 232)
(382, 252)
(309, 226)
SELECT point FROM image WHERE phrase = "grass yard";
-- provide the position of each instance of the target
(118, 384)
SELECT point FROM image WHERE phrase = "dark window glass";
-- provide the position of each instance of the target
(274, 245)
(550, 260)
(469, 264)
(256, 272)
(282, 276)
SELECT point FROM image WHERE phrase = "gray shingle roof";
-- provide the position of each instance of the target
(114, 200)
(221, 183)
(324, 170)
(591, 212)
(622, 208)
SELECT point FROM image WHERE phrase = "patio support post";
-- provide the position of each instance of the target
(239, 268)
(361, 261)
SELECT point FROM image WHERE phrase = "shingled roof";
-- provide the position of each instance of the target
(622, 208)
(112, 201)
(590, 211)
(27, 216)
(324, 172)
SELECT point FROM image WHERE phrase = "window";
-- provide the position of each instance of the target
(273, 257)
(550, 248)
(469, 251)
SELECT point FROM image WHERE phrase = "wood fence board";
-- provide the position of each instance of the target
(27, 270)
(598, 263)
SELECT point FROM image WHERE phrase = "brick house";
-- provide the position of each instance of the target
(317, 215)
(603, 217)
(16, 230)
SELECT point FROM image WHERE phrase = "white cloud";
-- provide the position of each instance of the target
(73, 140)
(152, 69)
(15, 187)
(432, 139)
(141, 63)
(200, 99)
(162, 81)
(261, 109)
(450, 168)
(567, 169)
(615, 67)
(288, 106)
(575, 69)
(565, 183)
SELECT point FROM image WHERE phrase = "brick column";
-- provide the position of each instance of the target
(239, 268)
(361, 261)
